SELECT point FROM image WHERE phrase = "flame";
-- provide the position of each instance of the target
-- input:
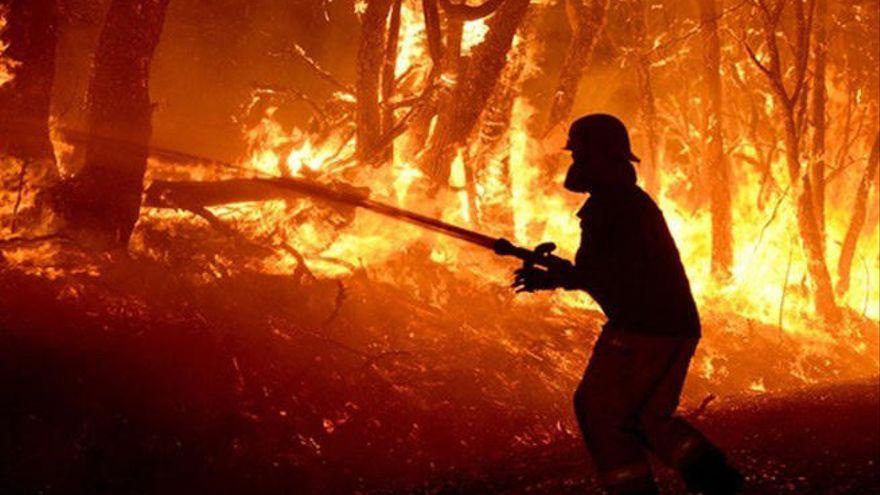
(769, 262)
(472, 34)
(412, 45)
(7, 65)
(510, 195)
(758, 386)
(768, 274)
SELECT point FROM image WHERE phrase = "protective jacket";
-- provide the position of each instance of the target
(629, 264)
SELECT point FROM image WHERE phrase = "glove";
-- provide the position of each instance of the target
(531, 279)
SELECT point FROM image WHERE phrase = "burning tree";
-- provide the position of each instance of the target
(30, 36)
(476, 81)
(103, 199)
(29, 33)
(716, 161)
(790, 99)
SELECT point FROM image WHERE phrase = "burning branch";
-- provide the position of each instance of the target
(324, 74)
(319, 111)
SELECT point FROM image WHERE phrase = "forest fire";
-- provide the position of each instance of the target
(355, 337)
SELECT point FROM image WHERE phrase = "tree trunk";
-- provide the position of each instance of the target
(369, 66)
(806, 218)
(844, 264)
(587, 20)
(388, 74)
(820, 96)
(717, 165)
(790, 107)
(31, 36)
(489, 156)
(201, 194)
(103, 199)
(473, 89)
(445, 46)
(648, 169)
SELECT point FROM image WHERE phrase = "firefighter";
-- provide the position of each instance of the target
(628, 262)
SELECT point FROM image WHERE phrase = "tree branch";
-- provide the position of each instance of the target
(470, 13)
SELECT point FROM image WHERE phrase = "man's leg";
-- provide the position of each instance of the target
(606, 404)
(677, 442)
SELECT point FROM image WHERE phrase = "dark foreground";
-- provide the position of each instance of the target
(818, 440)
(137, 381)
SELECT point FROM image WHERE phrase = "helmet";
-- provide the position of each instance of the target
(603, 132)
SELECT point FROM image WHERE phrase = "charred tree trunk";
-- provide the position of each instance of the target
(496, 118)
(716, 163)
(648, 169)
(472, 90)
(369, 69)
(31, 36)
(388, 74)
(806, 217)
(820, 96)
(587, 20)
(854, 230)
(489, 155)
(444, 42)
(103, 199)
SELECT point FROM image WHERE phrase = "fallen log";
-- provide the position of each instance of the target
(200, 194)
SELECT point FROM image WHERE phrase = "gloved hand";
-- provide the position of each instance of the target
(531, 279)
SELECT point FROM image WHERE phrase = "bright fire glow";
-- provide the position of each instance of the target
(512, 196)
(6, 65)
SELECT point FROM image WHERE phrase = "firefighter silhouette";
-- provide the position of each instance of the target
(628, 263)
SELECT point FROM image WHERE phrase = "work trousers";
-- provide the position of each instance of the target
(626, 405)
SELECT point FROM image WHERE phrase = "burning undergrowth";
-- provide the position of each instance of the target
(185, 351)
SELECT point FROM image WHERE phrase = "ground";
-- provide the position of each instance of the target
(817, 440)
(125, 377)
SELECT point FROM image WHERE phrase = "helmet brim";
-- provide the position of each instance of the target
(631, 157)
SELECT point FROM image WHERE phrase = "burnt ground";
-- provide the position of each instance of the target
(129, 378)
(816, 440)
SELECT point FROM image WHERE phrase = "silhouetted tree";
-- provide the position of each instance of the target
(717, 165)
(473, 88)
(31, 37)
(854, 230)
(587, 20)
(369, 71)
(103, 199)
(820, 96)
(789, 88)
(648, 108)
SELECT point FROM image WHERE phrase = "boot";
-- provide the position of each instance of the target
(710, 474)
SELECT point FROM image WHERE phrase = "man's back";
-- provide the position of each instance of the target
(629, 264)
